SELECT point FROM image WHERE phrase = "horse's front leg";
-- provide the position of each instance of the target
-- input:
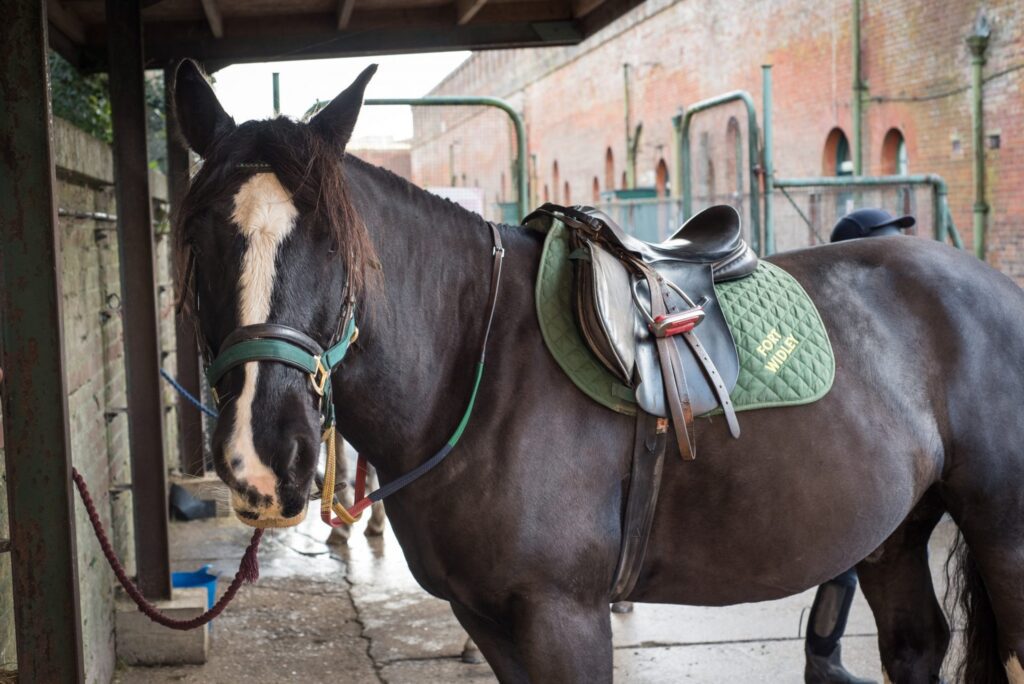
(565, 640)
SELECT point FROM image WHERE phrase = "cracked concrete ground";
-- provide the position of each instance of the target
(320, 614)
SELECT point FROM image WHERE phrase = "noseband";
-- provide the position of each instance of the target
(273, 342)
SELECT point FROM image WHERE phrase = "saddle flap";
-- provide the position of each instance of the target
(605, 310)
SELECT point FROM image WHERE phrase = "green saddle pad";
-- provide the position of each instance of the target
(785, 355)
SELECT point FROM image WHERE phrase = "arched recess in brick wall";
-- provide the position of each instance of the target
(596, 196)
(566, 194)
(554, 180)
(625, 181)
(894, 154)
(733, 158)
(547, 195)
(503, 195)
(835, 158)
(609, 170)
(661, 179)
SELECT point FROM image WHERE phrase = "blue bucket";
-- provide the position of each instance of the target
(198, 578)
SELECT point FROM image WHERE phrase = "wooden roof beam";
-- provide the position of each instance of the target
(345, 8)
(581, 8)
(467, 9)
(65, 20)
(213, 18)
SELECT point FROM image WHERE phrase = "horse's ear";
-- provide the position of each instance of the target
(200, 117)
(336, 121)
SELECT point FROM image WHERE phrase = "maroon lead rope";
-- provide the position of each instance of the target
(248, 569)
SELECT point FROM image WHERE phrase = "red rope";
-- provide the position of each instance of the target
(248, 570)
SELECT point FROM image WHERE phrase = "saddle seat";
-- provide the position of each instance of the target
(613, 304)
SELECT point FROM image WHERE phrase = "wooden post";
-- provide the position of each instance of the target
(47, 615)
(138, 286)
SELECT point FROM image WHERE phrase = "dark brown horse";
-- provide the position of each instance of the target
(520, 528)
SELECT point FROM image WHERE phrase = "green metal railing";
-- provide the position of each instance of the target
(943, 228)
(518, 164)
(682, 123)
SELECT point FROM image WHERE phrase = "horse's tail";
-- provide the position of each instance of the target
(966, 595)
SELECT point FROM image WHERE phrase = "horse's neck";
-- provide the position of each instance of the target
(410, 374)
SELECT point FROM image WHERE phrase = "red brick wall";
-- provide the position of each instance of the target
(682, 51)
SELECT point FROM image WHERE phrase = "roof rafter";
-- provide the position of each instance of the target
(213, 18)
(345, 8)
(467, 9)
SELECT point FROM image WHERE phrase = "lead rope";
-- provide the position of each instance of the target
(248, 569)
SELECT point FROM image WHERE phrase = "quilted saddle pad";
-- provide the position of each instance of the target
(785, 355)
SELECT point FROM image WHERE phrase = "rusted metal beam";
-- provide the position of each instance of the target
(345, 8)
(138, 287)
(467, 9)
(213, 18)
(190, 420)
(47, 616)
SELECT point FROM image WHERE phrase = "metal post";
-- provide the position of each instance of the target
(277, 94)
(677, 138)
(522, 183)
(858, 95)
(752, 155)
(630, 161)
(769, 168)
(138, 286)
(47, 616)
(977, 42)
(190, 420)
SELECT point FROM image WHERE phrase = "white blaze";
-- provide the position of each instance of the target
(265, 216)
(1014, 671)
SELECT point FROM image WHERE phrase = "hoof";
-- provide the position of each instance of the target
(339, 536)
(622, 607)
(471, 655)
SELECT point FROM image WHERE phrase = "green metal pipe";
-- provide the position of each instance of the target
(769, 168)
(277, 93)
(752, 153)
(977, 42)
(857, 102)
(677, 139)
(522, 181)
(943, 227)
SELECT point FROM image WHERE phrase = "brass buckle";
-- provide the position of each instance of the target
(319, 377)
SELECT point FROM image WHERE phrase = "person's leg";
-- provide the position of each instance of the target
(825, 628)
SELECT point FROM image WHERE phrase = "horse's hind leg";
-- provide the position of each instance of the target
(912, 631)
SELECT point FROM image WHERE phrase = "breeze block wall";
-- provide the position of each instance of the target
(915, 65)
(97, 399)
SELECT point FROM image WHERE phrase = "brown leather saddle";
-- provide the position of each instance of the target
(675, 348)
(650, 314)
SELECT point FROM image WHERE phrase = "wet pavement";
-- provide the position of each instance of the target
(320, 614)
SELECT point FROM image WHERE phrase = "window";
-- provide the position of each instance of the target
(554, 179)
(661, 179)
(547, 195)
(836, 157)
(567, 194)
(596, 191)
(894, 154)
(609, 170)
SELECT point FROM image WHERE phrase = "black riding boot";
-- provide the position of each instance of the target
(825, 627)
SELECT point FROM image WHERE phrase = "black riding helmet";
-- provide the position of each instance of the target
(869, 223)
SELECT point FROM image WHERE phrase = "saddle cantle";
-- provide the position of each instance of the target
(674, 376)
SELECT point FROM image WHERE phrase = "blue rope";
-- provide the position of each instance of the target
(185, 393)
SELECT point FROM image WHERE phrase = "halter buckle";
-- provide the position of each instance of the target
(319, 377)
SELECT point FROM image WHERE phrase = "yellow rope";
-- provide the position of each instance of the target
(327, 503)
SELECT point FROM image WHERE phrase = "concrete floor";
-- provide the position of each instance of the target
(322, 614)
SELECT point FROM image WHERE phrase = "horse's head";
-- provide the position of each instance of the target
(266, 234)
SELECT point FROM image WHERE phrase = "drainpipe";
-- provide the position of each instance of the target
(768, 162)
(277, 94)
(977, 42)
(630, 150)
(858, 95)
